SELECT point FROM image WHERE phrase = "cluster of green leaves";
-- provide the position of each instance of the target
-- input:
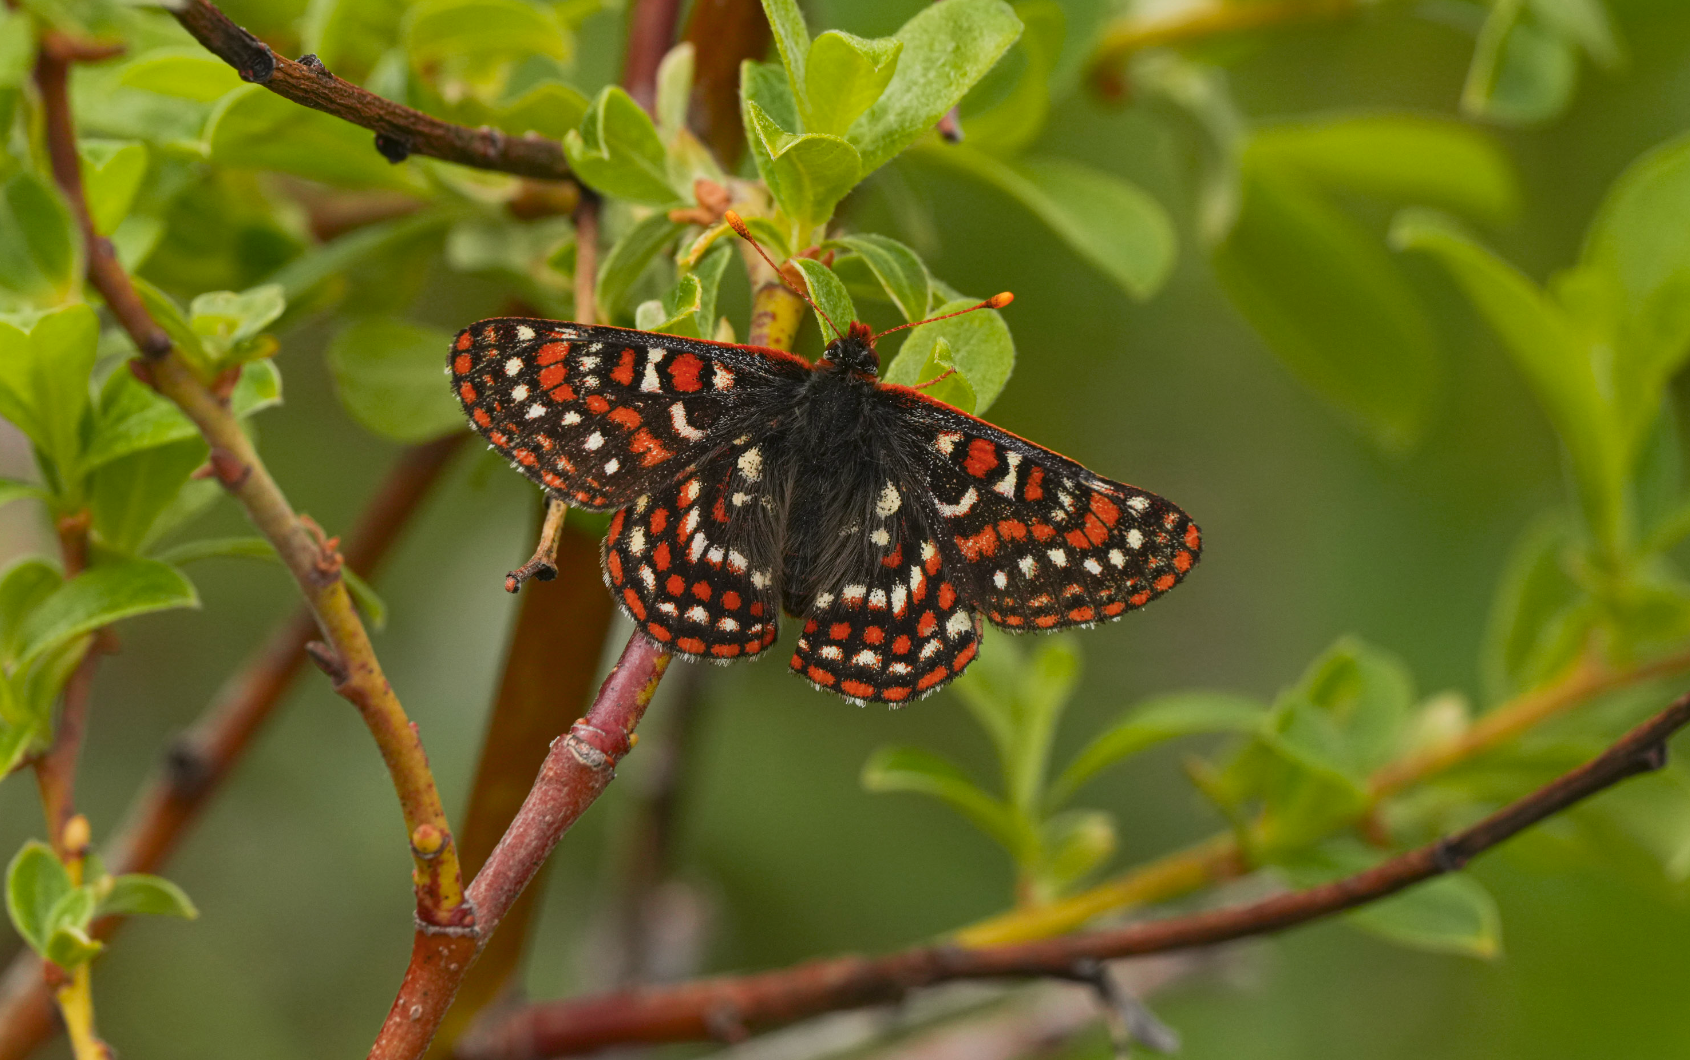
(1526, 57)
(52, 913)
(118, 460)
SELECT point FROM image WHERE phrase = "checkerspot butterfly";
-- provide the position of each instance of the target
(747, 481)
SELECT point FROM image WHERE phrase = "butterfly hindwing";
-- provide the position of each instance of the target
(598, 415)
(1034, 540)
(895, 628)
(695, 564)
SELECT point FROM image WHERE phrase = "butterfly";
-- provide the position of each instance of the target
(747, 481)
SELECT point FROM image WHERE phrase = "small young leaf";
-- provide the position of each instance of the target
(373, 606)
(1587, 23)
(807, 174)
(24, 585)
(1152, 722)
(70, 947)
(1521, 73)
(550, 108)
(73, 910)
(1006, 110)
(617, 151)
(138, 893)
(463, 42)
(912, 769)
(230, 324)
(218, 547)
(898, 268)
(1074, 843)
(981, 349)
(674, 89)
(843, 75)
(99, 596)
(387, 374)
(132, 416)
(830, 296)
(35, 883)
(44, 382)
(1451, 914)
(947, 48)
(1520, 647)
(791, 38)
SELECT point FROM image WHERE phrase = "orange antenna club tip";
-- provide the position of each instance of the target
(1001, 299)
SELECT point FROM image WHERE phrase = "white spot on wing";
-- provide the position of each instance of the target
(519, 392)
(650, 383)
(1007, 485)
(570, 419)
(594, 440)
(513, 366)
(1058, 557)
(958, 624)
(1135, 539)
(524, 333)
(1117, 558)
(636, 541)
(751, 463)
(947, 441)
(678, 418)
(962, 507)
(697, 547)
(888, 502)
(880, 537)
(536, 410)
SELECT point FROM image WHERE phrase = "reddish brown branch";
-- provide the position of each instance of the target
(549, 669)
(575, 772)
(724, 33)
(202, 758)
(709, 1008)
(400, 130)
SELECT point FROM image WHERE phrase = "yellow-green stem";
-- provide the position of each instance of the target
(76, 1004)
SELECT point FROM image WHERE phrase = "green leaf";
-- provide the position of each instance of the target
(791, 38)
(1018, 701)
(186, 72)
(947, 48)
(128, 494)
(1367, 694)
(628, 258)
(830, 295)
(1396, 157)
(1654, 812)
(138, 893)
(807, 174)
(617, 151)
(17, 739)
(387, 374)
(70, 947)
(1006, 109)
(38, 245)
(843, 75)
(911, 769)
(550, 108)
(254, 128)
(980, 345)
(368, 601)
(35, 883)
(1112, 224)
(44, 382)
(1545, 347)
(132, 416)
(13, 490)
(111, 175)
(171, 317)
(942, 381)
(17, 48)
(218, 547)
(1332, 305)
(1521, 73)
(23, 586)
(898, 268)
(674, 89)
(1586, 23)
(99, 596)
(1451, 914)
(462, 38)
(1155, 721)
(689, 308)
(44, 681)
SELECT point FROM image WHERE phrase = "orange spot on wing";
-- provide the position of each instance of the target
(684, 370)
(659, 632)
(1115, 608)
(966, 656)
(730, 600)
(624, 416)
(928, 624)
(1077, 538)
(701, 590)
(895, 557)
(725, 651)
(1014, 620)
(720, 511)
(1045, 621)
(691, 645)
(624, 371)
(1082, 614)
(659, 520)
(552, 376)
(1192, 537)
(757, 608)
(1012, 530)
(596, 403)
(820, 676)
(1182, 562)
(552, 479)
(1033, 490)
(895, 695)
(676, 585)
(660, 556)
(947, 595)
(857, 688)
(901, 645)
(635, 608)
(839, 631)
(1043, 531)
(463, 344)
(984, 543)
(1105, 509)
(551, 353)
(481, 418)
(1139, 599)
(932, 677)
(616, 523)
(562, 393)
(982, 457)
(874, 635)
(644, 442)
(467, 392)
(462, 363)
(1095, 530)
(1165, 582)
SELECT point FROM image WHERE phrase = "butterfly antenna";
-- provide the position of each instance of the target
(997, 301)
(738, 224)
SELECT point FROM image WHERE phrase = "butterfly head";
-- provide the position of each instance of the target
(854, 351)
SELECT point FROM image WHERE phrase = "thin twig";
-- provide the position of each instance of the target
(400, 130)
(548, 675)
(312, 558)
(197, 763)
(699, 1010)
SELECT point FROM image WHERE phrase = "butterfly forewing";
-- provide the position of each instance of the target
(1034, 540)
(694, 564)
(599, 415)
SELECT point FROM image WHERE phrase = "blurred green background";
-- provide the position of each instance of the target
(1309, 532)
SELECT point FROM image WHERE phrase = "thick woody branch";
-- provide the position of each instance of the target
(729, 1006)
(312, 559)
(576, 771)
(400, 131)
(197, 764)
